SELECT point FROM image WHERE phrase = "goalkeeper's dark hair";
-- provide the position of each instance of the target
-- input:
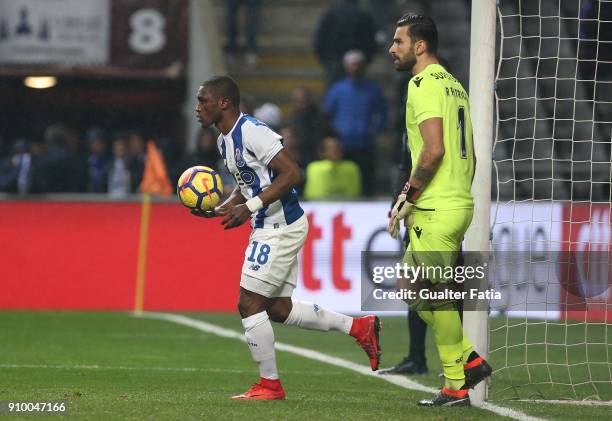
(421, 28)
(224, 86)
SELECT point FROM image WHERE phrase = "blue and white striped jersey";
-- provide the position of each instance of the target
(247, 150)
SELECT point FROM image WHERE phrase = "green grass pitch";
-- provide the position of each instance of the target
(116, 366)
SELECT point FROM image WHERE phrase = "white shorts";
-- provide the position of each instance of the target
(271, 259)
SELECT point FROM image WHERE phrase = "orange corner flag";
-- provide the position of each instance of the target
(155, 179)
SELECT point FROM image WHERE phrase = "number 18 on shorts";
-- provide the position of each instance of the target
(271, 258)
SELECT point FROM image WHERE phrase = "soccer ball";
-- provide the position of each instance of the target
(199, 188)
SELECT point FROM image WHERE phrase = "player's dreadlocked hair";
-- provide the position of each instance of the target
(421, 28)
(225, 87)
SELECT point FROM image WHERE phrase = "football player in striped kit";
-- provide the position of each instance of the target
(266, 175)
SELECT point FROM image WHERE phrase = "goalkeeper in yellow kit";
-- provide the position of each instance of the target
(436, 204)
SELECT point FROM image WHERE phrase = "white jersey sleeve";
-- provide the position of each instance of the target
(263, 142)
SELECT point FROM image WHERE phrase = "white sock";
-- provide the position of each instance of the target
(310, 316)
(260, 338)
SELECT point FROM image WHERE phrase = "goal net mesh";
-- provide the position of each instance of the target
(551, 336)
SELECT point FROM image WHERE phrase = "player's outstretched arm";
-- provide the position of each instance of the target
(288, 176)
(235, 198)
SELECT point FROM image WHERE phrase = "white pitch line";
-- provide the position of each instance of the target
(568, 402)
(401, 381)
(111, 368)
(165, 369)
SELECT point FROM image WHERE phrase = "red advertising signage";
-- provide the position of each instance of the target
(83, 256)
(585, 269)
(76, 255)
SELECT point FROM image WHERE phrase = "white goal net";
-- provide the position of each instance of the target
(551, 337)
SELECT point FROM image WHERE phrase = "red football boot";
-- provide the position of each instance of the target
(366, 330)
(264, 389)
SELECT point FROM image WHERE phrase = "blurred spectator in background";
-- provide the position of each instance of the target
(251, 24)
(97, 161)
(207, 154)
(382, 11)
(343, 27)
(292, 144)
(137, 159)
(16, 172)
(58, 169)
(270, 114)
(247, 103)
(119, 184)
(77, 150)
(308, 125)
(332, 177)
(358, 112)
(73, 143)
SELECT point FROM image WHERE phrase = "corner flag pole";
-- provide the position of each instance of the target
(154, 180)
(142, 251)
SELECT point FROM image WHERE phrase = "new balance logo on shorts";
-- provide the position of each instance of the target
(254, 267)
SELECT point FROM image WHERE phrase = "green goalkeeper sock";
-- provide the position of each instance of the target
(449, 340)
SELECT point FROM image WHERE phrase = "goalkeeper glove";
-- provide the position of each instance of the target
(402, 210)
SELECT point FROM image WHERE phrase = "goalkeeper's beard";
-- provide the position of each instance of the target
(406, 65)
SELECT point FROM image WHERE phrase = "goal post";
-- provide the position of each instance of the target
(477, 239)
(541, 89)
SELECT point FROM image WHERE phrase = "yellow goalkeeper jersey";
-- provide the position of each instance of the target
(436, 93)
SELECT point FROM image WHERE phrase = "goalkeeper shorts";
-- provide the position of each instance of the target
(435, 240)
